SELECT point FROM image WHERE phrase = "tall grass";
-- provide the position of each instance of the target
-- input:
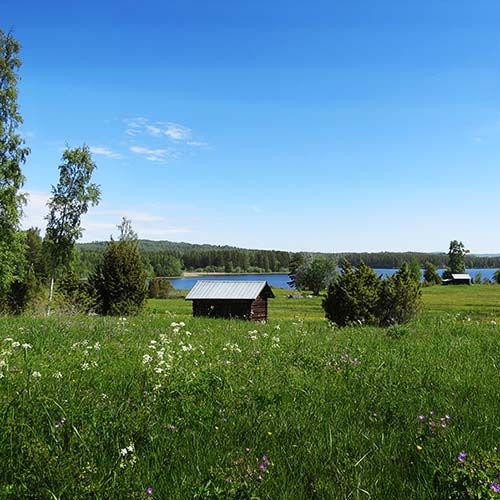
(107, 407)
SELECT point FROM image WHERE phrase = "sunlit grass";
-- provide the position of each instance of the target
(200, 408)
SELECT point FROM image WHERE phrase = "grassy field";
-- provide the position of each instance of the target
(170, 407)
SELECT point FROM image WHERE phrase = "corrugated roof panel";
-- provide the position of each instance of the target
(217, 289)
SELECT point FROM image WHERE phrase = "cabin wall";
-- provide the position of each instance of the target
(259, 309)
(222, 308)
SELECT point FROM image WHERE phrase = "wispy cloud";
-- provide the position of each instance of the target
(157, 155)
(98, 150)
(176, 132)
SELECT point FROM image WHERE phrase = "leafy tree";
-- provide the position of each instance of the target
(354, 296)
(431, 276)
(315, 275)
(120, 280)
(456, 258)
(295, 264)
(12, 155)
(414, 268)
(70, 200)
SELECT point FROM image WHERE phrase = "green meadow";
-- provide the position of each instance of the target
(168, 406)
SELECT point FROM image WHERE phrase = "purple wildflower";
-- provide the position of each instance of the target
(263, 466)
(495, 487)
(149, 491)
(462, 456)
(265, 458)
(421, 417)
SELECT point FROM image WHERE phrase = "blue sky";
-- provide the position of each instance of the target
(325, 125)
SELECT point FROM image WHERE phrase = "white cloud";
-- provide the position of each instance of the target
(175, 132)
(98, 150)
(158, 155)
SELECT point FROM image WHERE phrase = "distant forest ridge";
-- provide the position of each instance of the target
(168, 258)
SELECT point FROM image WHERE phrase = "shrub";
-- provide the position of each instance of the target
(359, 295)
(399, 297)
(160, 288)
(120, 279)
(353, 297)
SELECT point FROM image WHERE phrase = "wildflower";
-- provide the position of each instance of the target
(495, 487)
(124, 452)
(462, 456)
(265, 458)
(16, 344)
(149, 491)
(57, 375)
(419, 448)
(8, 339)
(36, 374)
(216, 427)
(247, 450)
(269, 433)
(27, 346)
(147, 358)
(263, 466)
(260, 478)
(421, 417)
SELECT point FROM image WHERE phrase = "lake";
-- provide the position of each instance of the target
(281, 280)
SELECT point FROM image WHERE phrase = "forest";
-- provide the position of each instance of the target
(168, 258)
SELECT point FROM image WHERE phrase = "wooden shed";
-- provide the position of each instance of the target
(458, 279)
(231, 299)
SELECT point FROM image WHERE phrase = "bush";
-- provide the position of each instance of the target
(359, 295)
(399, 297)
(160, 288)
(353, 297)
(120, 279)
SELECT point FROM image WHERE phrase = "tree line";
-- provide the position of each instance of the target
(165, 258)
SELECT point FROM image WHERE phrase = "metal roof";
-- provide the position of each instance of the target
(461, 276)
(218, 289)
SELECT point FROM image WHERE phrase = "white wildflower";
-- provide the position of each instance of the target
(182, 324)
(187, 333)
(27, 346)
(36, 374)
(147, 359)
(16, 344)
(8, 339)
(124, 452)
(85, 366)
(57, 375)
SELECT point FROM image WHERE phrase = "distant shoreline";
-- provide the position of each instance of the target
(189, 274)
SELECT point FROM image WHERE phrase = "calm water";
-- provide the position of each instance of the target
(281, 280)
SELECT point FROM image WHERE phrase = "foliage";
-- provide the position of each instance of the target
(474, 475)
(496, 276)
(12, 155)
(431, 276)
(359, 295)
(296, 262)
(456, 259)
(71, 199)
(160, 288)
(120, 280)
(399, 297)
(315, 275)
(354, 296)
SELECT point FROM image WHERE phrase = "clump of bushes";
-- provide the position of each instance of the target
(160, 288)
(360, 296)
